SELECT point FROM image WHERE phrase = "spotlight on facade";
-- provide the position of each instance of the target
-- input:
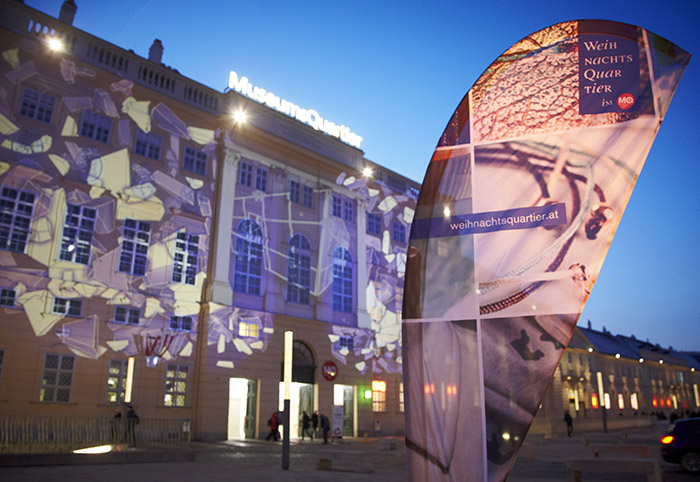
(100, 449)
(55, 44)
(661, 362)
(617, 355)
(641, 360)
(590, 349)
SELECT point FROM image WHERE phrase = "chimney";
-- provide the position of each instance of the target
(155, 53)
(67, 13)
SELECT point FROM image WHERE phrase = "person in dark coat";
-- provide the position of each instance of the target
(306, 426)
(314, 421)
(132, 419)
(569, 423)
(326, 427)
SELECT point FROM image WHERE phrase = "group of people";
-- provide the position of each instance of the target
(125, 432)
(315, 420)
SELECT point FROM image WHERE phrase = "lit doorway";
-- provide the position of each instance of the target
(301, 397)
(242, 408)
(345, 395)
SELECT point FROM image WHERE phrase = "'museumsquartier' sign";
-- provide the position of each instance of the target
(308, 116)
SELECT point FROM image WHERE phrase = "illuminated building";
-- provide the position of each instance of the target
(144, 218)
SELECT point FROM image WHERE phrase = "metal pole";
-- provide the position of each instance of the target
(285, 434)
(288, 347)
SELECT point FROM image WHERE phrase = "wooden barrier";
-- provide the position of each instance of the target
(576, 467)
(345, 460)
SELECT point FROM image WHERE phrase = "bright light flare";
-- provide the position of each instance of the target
(100, 449)
(240, 117)
(55, 44)
(667, 439)
(367, 172)
(447, 211)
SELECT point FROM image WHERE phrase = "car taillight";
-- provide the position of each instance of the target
(667, 439)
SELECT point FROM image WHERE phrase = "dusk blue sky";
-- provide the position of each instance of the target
(394, 72)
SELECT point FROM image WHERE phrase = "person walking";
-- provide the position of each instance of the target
(306, 426)
(569, 423)
(325, 427)
(272, 423)
(314, 422)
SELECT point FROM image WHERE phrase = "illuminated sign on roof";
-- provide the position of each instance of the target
(308, 116)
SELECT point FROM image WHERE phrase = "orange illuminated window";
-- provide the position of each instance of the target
(621, 401)
(594, 401)
(654, 402)
(378, 396)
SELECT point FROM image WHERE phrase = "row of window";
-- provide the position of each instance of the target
(98, 127)
(248, 264)
(58, 371)
(16, 208)
(302, 194)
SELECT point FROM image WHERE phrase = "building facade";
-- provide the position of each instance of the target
(618, 381)
(155, 251)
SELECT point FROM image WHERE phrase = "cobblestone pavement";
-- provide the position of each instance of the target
(543, 461)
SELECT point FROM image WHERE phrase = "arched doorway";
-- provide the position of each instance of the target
(301, 397)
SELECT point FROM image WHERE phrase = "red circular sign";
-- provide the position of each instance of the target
(625, 101)
(329, 370)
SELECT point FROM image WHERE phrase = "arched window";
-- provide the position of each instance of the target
(248, 260)
(299, 270)
(342, 280)
(303, 363)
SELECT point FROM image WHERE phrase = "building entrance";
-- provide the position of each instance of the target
(242, 408)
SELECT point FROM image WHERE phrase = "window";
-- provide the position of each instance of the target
(37, 106)
(248, 329)
(180, 323)
(126, 316)
(195, 161)
(348, 211)
(342, 280)
(246, 174)
(185, 259)
(396, 183)
(378, 396)
(374, 224)
(299, 270)
(336, 208)
(116, 381)
(399, 233)
(308, 198)
(67, 307)
(95, 126)
(401, 403)
(261, 179)
(7, 297)
(136, 237)
(347, 342)
(248, 258)
(78, 230)
(57, 378)
(148, 145)
(294, 191)
(16, 209)
(176, 378)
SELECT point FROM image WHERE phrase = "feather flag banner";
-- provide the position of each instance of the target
(517, 210)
